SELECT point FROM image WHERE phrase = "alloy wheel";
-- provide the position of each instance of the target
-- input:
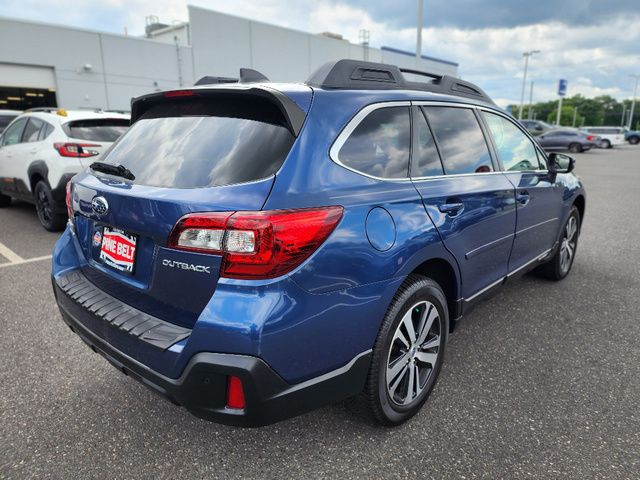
(568, 245)
(413, 354)
(43, 206)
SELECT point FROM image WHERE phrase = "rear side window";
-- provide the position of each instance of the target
(96, 130)
(460, 140)
(45, 131)
(380, 145)
(426, 159)
(515, 150)
(203, 143)
(32, 130)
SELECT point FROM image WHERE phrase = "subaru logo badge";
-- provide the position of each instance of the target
(99, 205)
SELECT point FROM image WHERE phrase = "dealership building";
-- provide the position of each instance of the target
(52, 65)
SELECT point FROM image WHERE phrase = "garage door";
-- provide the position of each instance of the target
(26, 76)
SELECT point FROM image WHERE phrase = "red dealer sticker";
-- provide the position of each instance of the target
(118, 249)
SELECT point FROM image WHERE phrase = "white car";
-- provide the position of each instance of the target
(610, 136)
(43, 148)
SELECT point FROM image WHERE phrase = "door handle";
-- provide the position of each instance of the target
(33, 150)
(523, 198)
(451, 209)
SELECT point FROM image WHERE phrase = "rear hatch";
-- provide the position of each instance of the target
(93, 136)
(214, 150)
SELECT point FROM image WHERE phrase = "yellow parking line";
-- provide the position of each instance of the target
(9, 254)
(22, 261)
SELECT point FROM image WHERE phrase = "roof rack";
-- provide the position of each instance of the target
(359, 75)
(247, 75)
(42, 109)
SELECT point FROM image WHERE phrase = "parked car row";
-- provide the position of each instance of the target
(579, 139)
(43, 148)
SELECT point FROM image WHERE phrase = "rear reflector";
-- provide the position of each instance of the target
(235, 393)
(256, 245)
(69, 201)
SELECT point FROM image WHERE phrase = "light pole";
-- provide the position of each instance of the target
(419, 31)
(526, 56)
(633, 100)
(530, 100)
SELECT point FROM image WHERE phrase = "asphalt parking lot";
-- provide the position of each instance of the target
(541, 381)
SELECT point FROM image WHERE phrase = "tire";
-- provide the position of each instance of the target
(575, 148)
(634, 140)
(606, 144)
(418, 303)
(5, 200)
(45, 207)
(559, 266)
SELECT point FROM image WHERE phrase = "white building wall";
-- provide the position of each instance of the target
(93, 69)
(121, 67)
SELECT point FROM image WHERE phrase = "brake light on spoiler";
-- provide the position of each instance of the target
(256, 245)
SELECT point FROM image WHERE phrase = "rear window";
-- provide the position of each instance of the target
(96, 130)
(198, 143)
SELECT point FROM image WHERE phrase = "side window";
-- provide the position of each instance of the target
(380, 144)
(32, 130)
(515, 150)
(460, 140)
(426, 161)
(13, 133)
(45, 131)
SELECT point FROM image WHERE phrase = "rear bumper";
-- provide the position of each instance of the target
(201, 388)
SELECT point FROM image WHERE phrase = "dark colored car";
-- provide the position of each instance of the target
(6, 117)
(632, 136)
(252, 251)
(567, 139)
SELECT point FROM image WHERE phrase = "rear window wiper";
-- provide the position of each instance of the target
(117, 170)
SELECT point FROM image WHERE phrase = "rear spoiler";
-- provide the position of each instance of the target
(292, 113)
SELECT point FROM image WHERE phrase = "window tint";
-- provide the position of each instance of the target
(96, 130)
(32, 130)
(515, 150)
(426, 159)
(231, 140)
(12, 134)
(45, 131)
(460, 139)
(380, 144)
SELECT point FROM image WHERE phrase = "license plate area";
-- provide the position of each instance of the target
(118, 249)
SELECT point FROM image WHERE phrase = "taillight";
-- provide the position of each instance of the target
(68, 200)
(235, 393)
(179, 93)
(78, 150)
(256, 245)
(590, 137)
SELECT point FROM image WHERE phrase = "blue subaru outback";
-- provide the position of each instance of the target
(255, 250)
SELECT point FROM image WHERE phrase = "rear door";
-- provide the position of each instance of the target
(187, 155)
(538, 197)
(11, 151)
(471, 203)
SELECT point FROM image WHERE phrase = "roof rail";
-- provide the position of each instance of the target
(247, 75)
(359, 75)
(42, 109)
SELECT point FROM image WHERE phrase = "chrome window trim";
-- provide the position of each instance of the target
(362, 114)
(525, 132)
(352, 125)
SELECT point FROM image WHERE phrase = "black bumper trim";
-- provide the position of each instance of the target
(77, 289)
(201, 388)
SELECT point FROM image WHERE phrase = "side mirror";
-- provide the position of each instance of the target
(560, 163)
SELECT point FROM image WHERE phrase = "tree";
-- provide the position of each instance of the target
(566, 117)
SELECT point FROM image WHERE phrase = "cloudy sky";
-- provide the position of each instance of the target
(595, 44)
